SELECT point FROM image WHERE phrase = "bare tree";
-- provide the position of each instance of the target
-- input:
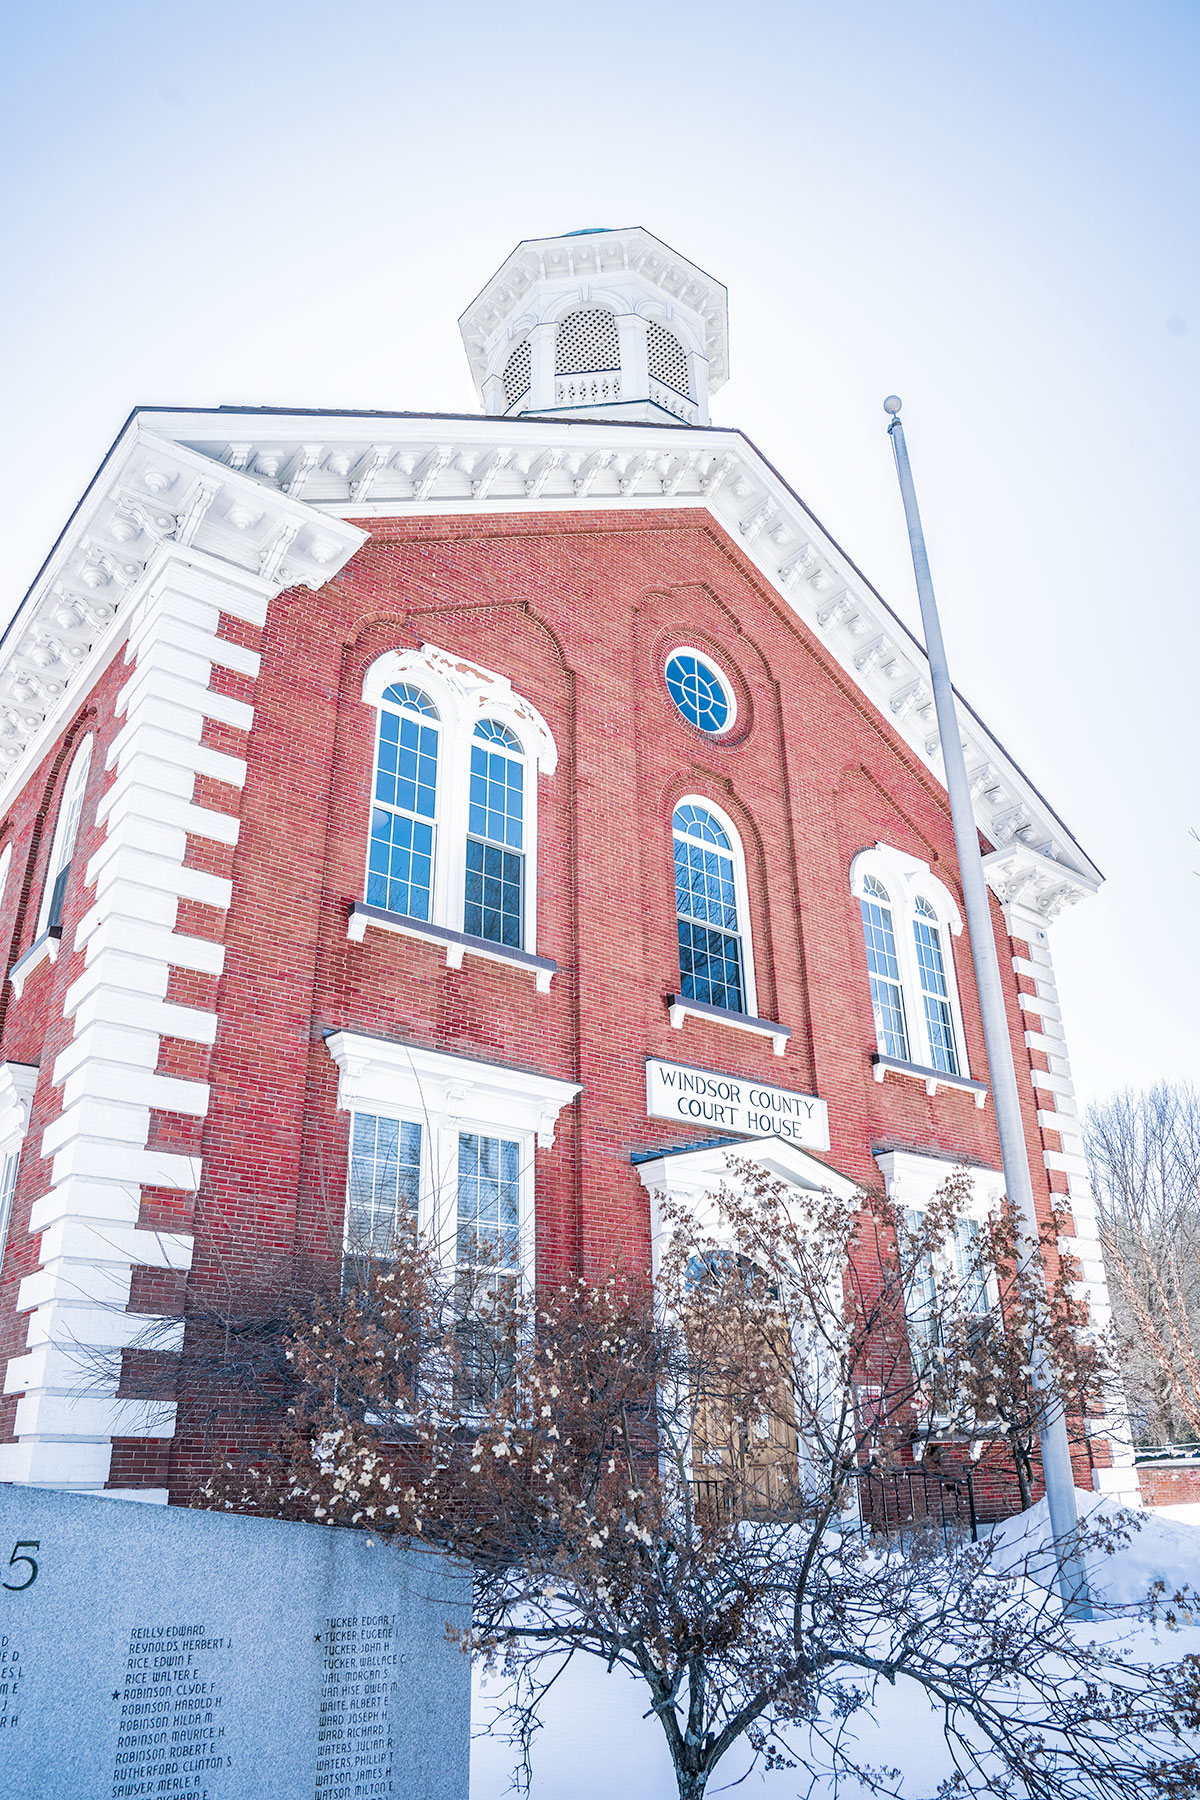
(1143, 1155)
(976, 1328)
(664, 1478)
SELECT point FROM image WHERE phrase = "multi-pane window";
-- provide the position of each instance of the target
(972, 1275)
(58, 873)
(921, 1301)
(400, 860)
(935, 991)
(698, 691)
(489, 1202)
(453, 816)
(495, 881)
(710, 941)
(384, 1183)
(488, 1253)
(907, 913)
(8, 1184)
(887, 992)
(953, 1276)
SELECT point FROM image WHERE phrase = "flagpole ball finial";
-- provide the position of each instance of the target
(892, 404)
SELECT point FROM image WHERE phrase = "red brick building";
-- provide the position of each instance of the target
(486, 816)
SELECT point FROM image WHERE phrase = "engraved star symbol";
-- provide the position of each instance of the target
(116, 1693)
(316, 1639)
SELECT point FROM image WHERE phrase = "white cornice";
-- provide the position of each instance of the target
(324, 468)
(385, 1074)
(1021, 876)
(17, 1083)
(152, 501)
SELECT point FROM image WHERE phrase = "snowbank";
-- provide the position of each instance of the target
(1158, 1548)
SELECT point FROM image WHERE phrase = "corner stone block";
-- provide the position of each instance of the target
(68, 1415)
(77, 1284)
(78, 1464)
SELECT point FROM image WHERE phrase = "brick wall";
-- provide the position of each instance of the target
(1164, 1484)
(579, 615)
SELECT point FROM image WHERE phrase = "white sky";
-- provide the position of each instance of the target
(988, 210)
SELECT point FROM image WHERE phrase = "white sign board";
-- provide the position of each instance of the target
(730, 1103)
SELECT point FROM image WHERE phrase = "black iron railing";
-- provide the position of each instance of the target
(890, 1501)
(897, 1500)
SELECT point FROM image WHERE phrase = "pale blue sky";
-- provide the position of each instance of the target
(989, 210)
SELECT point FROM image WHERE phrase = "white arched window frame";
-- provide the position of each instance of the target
(62, 850)
(476, 712)
(736, 858)
(904, 987)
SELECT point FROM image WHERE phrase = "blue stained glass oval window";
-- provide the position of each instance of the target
(699, 692)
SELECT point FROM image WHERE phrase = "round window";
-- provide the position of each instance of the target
(701, 695)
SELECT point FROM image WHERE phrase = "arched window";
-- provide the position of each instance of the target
(400, 863)
(906, 914)
(5, 865)
(935, 991)
(496, 837)
(587, 343)
(518, 372)
(453, 820)
(887, 992)
(666, 359)
(58, 869)
(711, 961)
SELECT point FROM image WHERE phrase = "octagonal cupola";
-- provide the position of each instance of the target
(599, 324)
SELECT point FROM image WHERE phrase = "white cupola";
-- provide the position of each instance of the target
(599, 325)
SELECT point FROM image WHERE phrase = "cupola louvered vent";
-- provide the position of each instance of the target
(587, 343)
(517, 371)
(666, 359)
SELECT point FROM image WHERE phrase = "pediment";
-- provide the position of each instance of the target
(270, 496)
(703, 1169)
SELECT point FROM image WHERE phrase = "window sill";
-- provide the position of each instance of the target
(933, 1078)
(43, 949)
(681, 1009)
(456, 944)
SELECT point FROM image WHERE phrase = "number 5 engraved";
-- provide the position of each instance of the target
(17, 1587)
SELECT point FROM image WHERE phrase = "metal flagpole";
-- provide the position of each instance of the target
(1056, 1454)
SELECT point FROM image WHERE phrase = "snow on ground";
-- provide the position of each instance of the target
(1165, 1548)
(1186, 1510)
(597, 1745)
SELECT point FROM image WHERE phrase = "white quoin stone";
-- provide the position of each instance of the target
(90, 1240)
(654, 346)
